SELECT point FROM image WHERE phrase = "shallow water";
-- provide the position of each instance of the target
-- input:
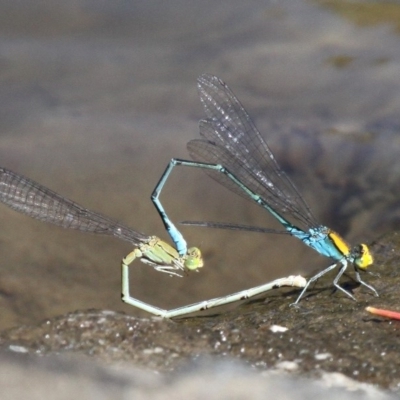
(97, 97)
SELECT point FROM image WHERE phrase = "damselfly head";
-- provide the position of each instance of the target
(193, 259)
(362, 256)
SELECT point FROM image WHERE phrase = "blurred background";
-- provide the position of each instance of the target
(96, 97)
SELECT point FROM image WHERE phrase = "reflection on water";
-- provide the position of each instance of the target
(366, 14)
(96, 98)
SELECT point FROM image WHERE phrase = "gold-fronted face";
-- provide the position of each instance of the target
(193, 259)
(363, 258)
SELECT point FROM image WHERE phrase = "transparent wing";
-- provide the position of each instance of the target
(31, 198)
(232, 140)
(233, 227)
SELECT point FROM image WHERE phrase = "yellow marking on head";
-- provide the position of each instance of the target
(193, 259)
(340, 243)
(365, 258)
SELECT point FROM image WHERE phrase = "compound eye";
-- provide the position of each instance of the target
(362, 256)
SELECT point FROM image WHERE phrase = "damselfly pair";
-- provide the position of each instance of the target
(233, 153)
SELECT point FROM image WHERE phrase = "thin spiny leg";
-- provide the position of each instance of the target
(313, 279)
(338, 276)
(359, 280)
